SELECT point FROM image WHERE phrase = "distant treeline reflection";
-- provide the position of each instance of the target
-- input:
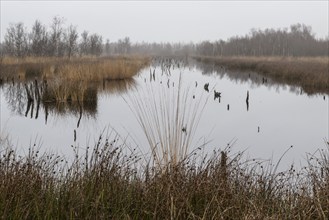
(242, 77)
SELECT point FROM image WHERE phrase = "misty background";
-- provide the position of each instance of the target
(169, 21)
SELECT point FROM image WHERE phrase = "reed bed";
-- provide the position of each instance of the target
(311, 73)
(84, 68)
(70, 80)
(108, 180)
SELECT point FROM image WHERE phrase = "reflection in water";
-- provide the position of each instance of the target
(285, 117)
(244, 76)
(27, 98)
(118, 87)
(247, 100)
(15, 97)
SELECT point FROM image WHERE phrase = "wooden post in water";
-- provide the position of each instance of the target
(29, 103)
(38, 97)
(80, 116)
(32, 108)
(38, 106)
(46, 112)
(206, 87)
(36, 89)
(29, 96)
(247, 100)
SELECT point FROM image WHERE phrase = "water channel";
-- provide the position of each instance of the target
(274, 118)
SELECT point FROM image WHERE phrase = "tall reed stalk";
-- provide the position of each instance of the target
(169, 118)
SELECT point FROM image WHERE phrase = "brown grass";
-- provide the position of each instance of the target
(311, 73)
(108, 182)
(70, 79)
(85, 68)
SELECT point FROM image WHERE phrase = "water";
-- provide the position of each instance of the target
(277, 117)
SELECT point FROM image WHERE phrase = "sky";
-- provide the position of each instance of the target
(169, 21)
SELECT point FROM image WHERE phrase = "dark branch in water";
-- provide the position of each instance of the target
(206, 87)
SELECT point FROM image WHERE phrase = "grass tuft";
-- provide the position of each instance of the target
(169, 117)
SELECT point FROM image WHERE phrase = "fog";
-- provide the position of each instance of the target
(170, 21)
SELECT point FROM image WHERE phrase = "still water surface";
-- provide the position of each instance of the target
(277, 117)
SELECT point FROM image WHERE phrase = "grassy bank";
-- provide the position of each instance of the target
(311, 73)
(106, 183)
(61, 79)
(84, 68)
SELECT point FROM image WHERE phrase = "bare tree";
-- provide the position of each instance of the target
(84, 45)
(127, 45)
(16, 40)
(107, 47)
(123, 46)
(56, 44)
(96, 42)
(71, 37)
(38, 39)
(9, 46)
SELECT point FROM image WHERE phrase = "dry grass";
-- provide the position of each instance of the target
(104, 182)
(69, 80)
(311, 73)
(85, 68)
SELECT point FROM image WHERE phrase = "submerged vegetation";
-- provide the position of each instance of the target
(109, 182)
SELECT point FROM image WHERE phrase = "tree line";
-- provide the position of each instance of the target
(60, 41)
(56, 41)
(298, 40)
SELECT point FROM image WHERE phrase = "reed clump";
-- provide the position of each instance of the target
(70, 79)
(311, 73)
(108, 180)
(101, 69)
(169, 117)
(87, 68)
